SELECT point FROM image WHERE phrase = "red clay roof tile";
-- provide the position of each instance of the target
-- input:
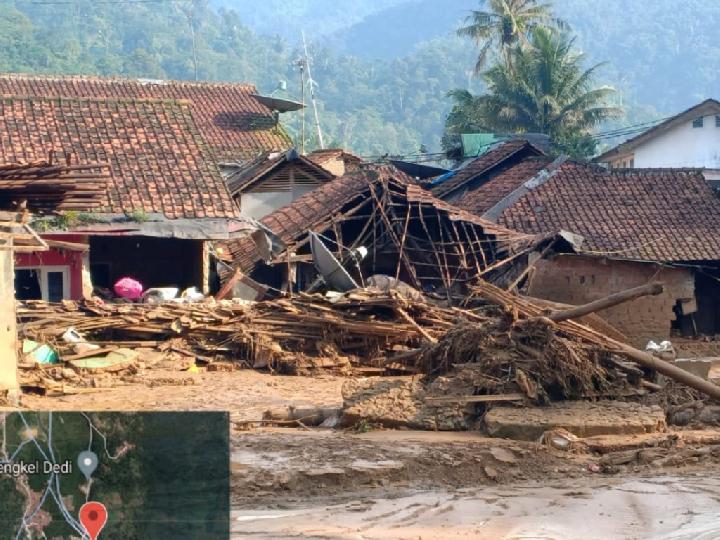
(233, 124)
(153, 147)
(645, 214)
(496, 156)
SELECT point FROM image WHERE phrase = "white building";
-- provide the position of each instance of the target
(689, 139)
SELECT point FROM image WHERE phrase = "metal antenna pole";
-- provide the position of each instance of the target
(312, 94)
(302, 113)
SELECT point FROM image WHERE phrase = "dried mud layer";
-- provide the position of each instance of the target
(275, 467)
(278, 467)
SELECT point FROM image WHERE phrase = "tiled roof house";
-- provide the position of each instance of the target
(165, 196)
(231, 122)
(158, 161)
(636, 225)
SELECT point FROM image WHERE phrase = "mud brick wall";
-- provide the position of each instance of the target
(578, 279)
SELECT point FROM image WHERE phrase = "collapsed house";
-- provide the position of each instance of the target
(374, 222)
(634, 226)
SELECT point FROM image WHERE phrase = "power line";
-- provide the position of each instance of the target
(77, 3)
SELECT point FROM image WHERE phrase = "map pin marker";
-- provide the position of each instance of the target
(93, 516)
(87, 463)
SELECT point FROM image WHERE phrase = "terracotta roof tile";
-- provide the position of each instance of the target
(644, 214)
(153, 147)
(494, 157)
(316, 207)
(480, 200)
(233, 124)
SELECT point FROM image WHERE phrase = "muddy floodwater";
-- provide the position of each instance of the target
(667, 508)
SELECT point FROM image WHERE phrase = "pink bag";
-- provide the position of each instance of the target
(128, 288)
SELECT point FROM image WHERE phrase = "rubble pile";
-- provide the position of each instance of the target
(512, 349)
(360, 330)
(509, 356)
(499, 347)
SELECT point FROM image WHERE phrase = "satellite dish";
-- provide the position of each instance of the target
(279, 104)
(329, 267)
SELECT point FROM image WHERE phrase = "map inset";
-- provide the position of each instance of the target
(107, 475)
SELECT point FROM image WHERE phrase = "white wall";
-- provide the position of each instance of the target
(683, 146)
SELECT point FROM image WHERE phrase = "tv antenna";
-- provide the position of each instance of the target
(305, 65)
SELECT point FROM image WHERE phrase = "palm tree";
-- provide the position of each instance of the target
(547, 91)
(505, 24)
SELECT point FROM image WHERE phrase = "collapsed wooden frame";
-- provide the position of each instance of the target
(409, 235)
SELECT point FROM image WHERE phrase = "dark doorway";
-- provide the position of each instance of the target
(154, 262)
(27, 284)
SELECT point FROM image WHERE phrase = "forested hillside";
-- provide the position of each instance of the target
(383, 67)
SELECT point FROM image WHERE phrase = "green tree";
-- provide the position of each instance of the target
(548, 91)
(505, 24)
(464, 117)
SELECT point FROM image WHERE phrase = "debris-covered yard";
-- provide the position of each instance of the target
(386, 391)
(372, 341)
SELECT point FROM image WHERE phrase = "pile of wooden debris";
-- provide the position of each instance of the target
(359, 332)
(498, 345)
(526, 351)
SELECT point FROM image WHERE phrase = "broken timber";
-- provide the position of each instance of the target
(563, 320)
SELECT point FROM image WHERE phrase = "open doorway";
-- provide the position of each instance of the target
(154, 262)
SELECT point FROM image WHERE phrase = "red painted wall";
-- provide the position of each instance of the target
(58, 257)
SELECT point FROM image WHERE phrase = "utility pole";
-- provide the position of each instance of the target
(190, 13)
(312, 94)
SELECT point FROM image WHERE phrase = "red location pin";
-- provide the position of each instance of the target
(93, 516)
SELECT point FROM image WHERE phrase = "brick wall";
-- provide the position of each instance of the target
(578, 279)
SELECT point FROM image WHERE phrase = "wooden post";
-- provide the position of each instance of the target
(666, 368)
(226, 289)
(9, 387)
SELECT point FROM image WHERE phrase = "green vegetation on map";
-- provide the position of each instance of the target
(160, 475)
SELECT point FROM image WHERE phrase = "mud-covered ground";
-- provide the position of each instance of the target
(596, 508)
(330, 483)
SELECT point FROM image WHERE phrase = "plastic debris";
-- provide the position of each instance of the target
(128, 288)
(39, 352)
(664, 350)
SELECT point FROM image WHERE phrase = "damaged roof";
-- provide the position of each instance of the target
(232, 123)
(494, 157)
(157, 158)
(323, 156)
(668, 215)
(47, 186)
(317, 208)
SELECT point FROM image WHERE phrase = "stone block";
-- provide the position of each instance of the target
(582, 418)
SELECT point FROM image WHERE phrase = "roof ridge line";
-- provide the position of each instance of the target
(537, 180)
(97, 99)
(132, 80)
